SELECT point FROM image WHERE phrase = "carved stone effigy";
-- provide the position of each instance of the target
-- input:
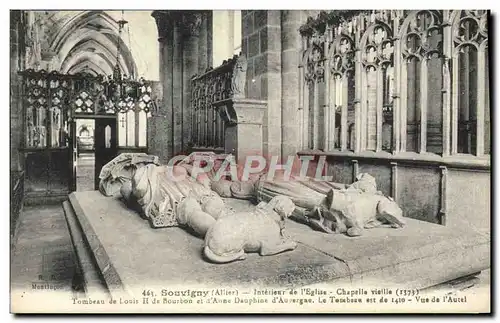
(350, 212)
(261, 230)
(166, 202)
(164, 195)
(120, 171)
(328, 206)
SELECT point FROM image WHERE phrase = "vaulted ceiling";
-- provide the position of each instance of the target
(84, 41)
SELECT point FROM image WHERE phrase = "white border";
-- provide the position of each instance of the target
(185, 4)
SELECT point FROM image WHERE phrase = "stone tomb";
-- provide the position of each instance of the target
(119, 252)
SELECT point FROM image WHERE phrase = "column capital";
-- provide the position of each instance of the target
(190, 21)
(164, 21)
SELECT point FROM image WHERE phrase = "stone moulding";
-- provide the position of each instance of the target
(241, 111)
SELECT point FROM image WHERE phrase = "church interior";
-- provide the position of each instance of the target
(401, 95)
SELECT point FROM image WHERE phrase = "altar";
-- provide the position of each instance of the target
(119, 252)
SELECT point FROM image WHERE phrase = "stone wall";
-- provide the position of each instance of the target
(261, 43)
(271, 41)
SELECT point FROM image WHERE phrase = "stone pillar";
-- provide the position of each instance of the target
(179, 37)
(203, 45)
(290, 50)
(16, 64)
(160, 125)
(261, 43)
(210, 58)
(177, 87)
(190, 24)
(244, 130)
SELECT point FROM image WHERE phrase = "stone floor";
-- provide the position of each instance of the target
(42, 252)
(85, 172)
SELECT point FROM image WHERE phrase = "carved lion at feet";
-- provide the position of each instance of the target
(351, 212)
(261, 230)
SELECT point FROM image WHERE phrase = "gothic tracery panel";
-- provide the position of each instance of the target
(36, 93)
(420, 80)
(378, 62)
(341, 90)
(422, 50)
(470, 42)
(60, 88)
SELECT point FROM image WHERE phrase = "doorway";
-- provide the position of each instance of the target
(85, 154)
(94, 146)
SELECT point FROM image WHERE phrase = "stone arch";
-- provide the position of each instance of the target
(91, 32)
(90, 46)
(88, 61)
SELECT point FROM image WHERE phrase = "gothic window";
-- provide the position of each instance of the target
(422, 51)
(377, 79)
(132, 120)
(314, 94)
(58, 115)
(36, 89)
(341, 100)
(470, 122)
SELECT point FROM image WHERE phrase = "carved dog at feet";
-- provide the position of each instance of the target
(350, 212)
(258, 231)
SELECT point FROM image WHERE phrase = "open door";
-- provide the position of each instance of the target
(105, 143)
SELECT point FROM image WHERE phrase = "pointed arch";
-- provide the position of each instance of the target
(86, 66)
(98, 28)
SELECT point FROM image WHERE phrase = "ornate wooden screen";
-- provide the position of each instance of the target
(396, 81)
(206, 89)
(50, 102)
(52, 99)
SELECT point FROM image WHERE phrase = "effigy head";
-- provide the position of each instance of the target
(282, 205)
(390, 212)
(126, 190)
(365, 183)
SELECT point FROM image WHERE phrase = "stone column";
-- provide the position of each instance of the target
(210, 58)
(190, 24)
(203, 45)
(261, 38)
(16, 64)
(290, 51)
(160, 125)
(177, 94)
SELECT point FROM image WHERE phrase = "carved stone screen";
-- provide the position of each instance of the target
(396, 81)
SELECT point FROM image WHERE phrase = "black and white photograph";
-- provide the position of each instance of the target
(250, 161)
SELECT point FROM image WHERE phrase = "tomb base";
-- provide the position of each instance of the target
(119, 252)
